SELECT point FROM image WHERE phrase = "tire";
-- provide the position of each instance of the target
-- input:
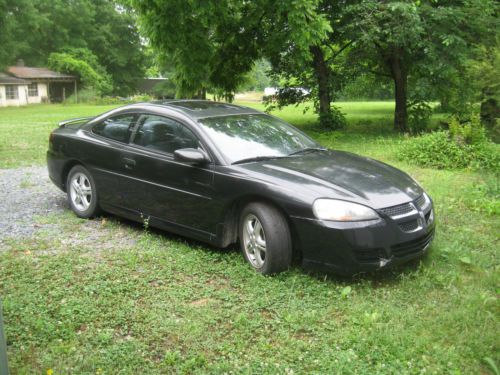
(82, 193)
(265, 238)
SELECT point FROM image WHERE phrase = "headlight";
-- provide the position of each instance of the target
(336, 210)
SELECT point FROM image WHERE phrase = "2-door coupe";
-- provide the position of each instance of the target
(223, 174)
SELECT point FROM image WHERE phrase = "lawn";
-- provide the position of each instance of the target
(162, 304)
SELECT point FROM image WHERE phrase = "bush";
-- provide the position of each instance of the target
(333, 120)
(470, 132)
(91, 96)
(419, 114)
(87, 95)
(463, 146)
(90, 76)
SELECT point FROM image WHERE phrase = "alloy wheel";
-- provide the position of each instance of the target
(80, 191)
(254, 241)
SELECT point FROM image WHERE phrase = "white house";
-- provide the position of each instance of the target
(13, 91)
(21, 85)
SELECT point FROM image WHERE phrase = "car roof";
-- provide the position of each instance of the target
(198, 109)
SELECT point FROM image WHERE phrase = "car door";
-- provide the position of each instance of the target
(104, 157)
(177, 193)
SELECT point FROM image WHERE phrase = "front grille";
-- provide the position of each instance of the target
(402, 209)
(409, 226)
(421, 202)
(412, 247)
(369, 255)
(429, 217)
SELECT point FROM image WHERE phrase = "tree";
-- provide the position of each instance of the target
(413, 40)
(210, 44)
(258, 78)
(32, 30)
(484, 71)
(15, 16)
(228, 36)
(83, 64)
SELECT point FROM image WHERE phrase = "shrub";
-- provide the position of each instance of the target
(470, 132)
(90, 76)
(91, 96)
(86, 95)
(419, 114)
(463, 146)
(333, 120)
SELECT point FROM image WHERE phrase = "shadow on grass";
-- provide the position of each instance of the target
(378, 279)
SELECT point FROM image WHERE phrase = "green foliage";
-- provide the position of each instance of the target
(332, 120)
(367, 86)
(90, 78)
(463, 146)
(129, 301)
(419, 114)
(165, 90)
(423, 46)
(470, 132)
(32, 30)
(85, 95)
(91, 96)
(258, 78)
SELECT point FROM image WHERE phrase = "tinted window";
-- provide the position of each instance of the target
(117, 128)
(163, 134)
(246, 136)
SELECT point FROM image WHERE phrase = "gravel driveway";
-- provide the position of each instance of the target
(26, 193)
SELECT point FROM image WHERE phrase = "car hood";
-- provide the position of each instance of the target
(341, 175)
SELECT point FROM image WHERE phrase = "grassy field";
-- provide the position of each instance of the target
(162, 304)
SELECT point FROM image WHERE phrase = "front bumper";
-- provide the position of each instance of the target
(349, 248)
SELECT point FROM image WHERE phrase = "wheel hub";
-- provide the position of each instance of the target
(254, 241)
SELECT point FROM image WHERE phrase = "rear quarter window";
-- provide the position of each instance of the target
(118, 128)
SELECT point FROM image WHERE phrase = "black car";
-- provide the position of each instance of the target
(222, 174)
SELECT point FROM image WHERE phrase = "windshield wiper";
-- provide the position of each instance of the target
(256, 158)
(307, 149)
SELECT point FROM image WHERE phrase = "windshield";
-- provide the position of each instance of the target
(250, 136)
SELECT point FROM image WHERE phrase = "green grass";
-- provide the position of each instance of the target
(157, 303)
(25, 130)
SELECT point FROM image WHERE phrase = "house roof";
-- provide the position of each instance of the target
(6, 79)
(37, 73)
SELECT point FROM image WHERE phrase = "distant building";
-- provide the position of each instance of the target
(21, 85)
(13, 91)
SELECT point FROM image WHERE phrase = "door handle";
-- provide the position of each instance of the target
(129, 163)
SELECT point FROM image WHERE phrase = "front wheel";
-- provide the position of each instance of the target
(82, 192)
(265, 238)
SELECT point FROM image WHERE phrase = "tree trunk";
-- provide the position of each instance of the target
(200, 94)
(400, 76)
(490, 112)
(322, 73)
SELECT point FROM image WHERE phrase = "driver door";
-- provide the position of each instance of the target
(177, 193)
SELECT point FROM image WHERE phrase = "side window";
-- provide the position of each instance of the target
(118, 128)
(163, 134)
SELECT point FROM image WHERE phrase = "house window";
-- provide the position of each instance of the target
(33, 89)
(11, 92)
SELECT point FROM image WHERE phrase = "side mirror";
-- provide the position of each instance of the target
(190, 156)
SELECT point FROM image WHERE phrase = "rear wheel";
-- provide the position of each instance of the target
(265, 238)
(82, 193)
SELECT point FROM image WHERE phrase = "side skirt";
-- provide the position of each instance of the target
(165, 225)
